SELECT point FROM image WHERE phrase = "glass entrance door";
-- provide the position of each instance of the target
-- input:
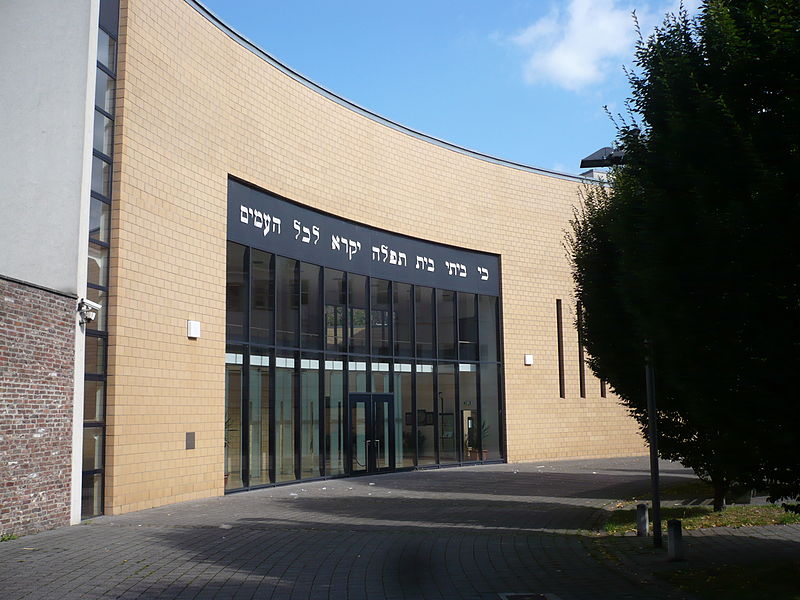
(371, 433)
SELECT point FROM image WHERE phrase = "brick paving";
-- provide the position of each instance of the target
(471, 533)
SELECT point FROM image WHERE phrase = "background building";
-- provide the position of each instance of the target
(147, 152)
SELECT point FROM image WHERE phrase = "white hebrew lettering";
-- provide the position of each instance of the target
(335, 242)
(267, 223)
(306, 235)
(420, 262)
(276, 224)
(484, 273)
(258, 219)
(462, 270)
(296, 228)
(243, 214)
(401, 259)
(431, 266)
(392, 257)
(315, 233)
(376, 253)
(385, 251)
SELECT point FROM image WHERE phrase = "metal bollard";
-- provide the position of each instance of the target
(675, 550)
(642, 520)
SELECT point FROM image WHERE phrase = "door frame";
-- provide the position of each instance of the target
(370, 401)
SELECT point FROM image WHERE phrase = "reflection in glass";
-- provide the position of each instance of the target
(403, 319)
(404, 416)
(233, 418)
(93, 401)
(335, 303)
(309, 416)
(97, 265)
(287, 313)
(261, 297)
(334, 417)
(99, 220)
(468, 402)
(357, 312)
(489, 326)
(94, 355)
(284, 418)
(426, 430)
(103, 138)
(423, 300)
(106, 50)
(382, 431)
(446, 323)
(91, 495)
(490, 413)
(310, 307)
(92, 448)
(467, 327)
(104, 92)
(358, 435)
(236, 293)
(258, 399)
(101, 176)
(101, 298)
(380, 320)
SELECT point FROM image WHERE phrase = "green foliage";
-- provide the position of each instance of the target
(7, 537)
(694, 246)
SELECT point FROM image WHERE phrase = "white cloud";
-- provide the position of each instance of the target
(579, 46)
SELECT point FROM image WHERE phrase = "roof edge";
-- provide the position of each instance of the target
(302, 79)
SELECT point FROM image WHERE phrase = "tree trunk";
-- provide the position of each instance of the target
(720, 489)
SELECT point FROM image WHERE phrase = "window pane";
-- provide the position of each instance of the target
(310, 307)
(490, 413)
(404, 416)
(467, 327)
(106, 50)
(97, 267)
(233, 417)
(93, 400)
(468, 403)
(403, 319)
(99, 220)
(92, 448)
(446, 407)
(357, 376)
(92, 495)
(380, 377)
(103, 133)
(94, 355)
(446, 325)
(426, 416)
(101, 177)
(309, 416)
(287, 318)
(261, 297)
(284, 418)
(101, 297)
(380, 322)
(423, 299)
(259, 417)
(335, 303)
(357, 312)
(236, 293)
(334, 416)
(104, 92)
(488, 328)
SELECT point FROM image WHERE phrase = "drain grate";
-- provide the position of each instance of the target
(527, 596)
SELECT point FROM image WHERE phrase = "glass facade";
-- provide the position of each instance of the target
(97, 267)
(332, 373)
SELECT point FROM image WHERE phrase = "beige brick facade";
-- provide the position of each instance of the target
(194, 106)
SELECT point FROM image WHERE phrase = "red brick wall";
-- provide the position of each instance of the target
(37, 348)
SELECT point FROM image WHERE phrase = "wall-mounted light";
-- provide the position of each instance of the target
(87, 310)
(528, 360)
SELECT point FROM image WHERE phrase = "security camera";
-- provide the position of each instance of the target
(87, 310)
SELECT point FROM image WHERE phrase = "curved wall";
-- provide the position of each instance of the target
(194, 106)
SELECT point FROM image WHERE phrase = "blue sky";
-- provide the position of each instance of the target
(523, 80)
